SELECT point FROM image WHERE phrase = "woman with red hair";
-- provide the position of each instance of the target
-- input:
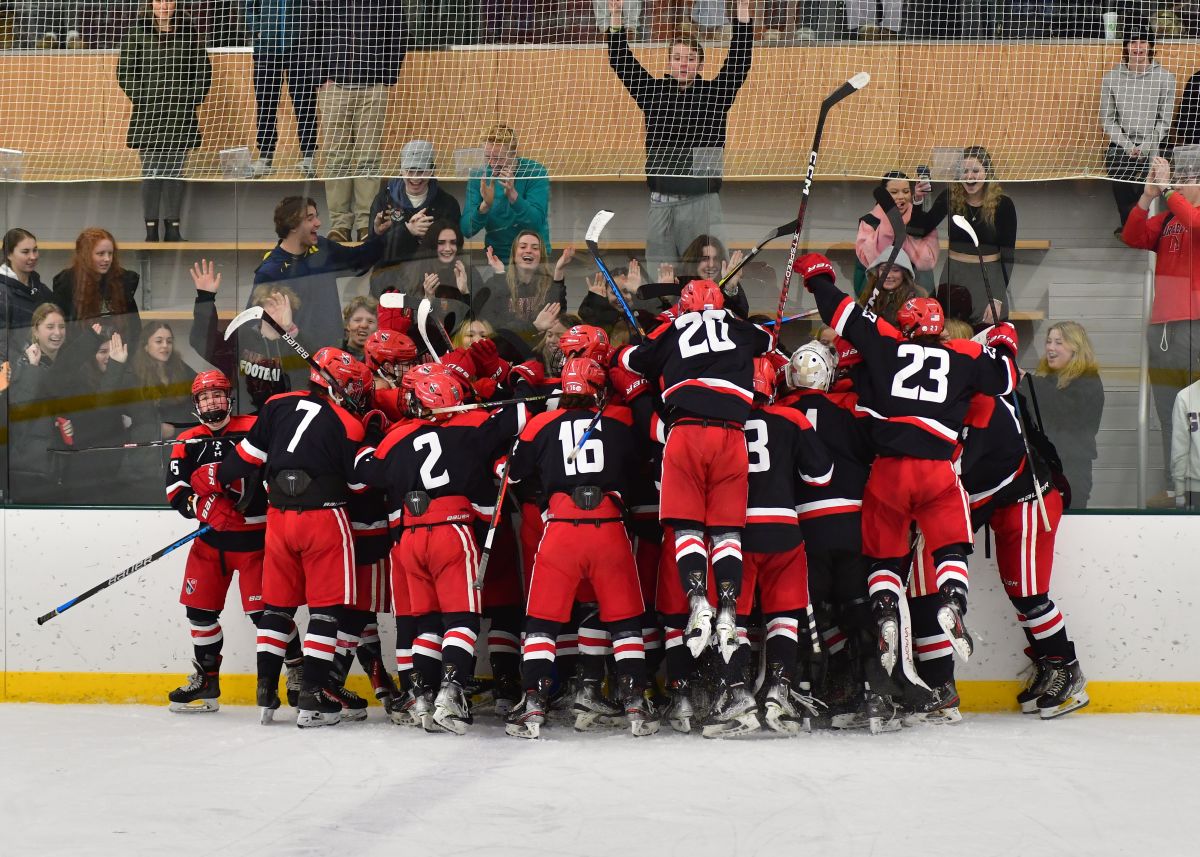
(95, 288)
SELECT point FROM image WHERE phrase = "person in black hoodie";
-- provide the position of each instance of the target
(21, 289)
(95, 288)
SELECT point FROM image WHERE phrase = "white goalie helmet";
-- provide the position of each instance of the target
(812, 366)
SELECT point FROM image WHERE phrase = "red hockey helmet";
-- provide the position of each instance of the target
(921, 317)
(766, 376)
(583, 376)
(438, 390)
(215, 409)
(700, 295)
(353, 376)
(584, 340)
(387, 347)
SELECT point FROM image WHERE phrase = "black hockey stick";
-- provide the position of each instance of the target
(845, 90)
(777, 232)
(159, 554)
(899, 236)
(498, 403)
(494, 524)
(963, 224)
(592, 237)
(591, 427)
(257, 313)
(145, 444)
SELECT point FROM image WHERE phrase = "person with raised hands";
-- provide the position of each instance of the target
(507, 195)
(527, 294)
(917, 389)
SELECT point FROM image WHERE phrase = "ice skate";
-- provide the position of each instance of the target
(736, 713)
(200, 693)
(295, 680)
(1065, 691)
(939, 707)
(641, 712)
(887, 618)
(318, 708)
(726, 629)
(699, 626)
(679, 710)
(354, 707)
(382, 685)
(950, 618)
(1038, 682)
(267, 699)
(562, 700)
(529, 714)
(593, 710)
(422, 707)
(787, 710)
(403, 711)
(506, 693)
(451, 710)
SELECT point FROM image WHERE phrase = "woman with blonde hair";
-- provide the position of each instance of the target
(527, 293)
(472, 330)
(1070, 400)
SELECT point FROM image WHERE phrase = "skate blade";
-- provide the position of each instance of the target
(196, 706)
(314, 719)
(960, 640)
(847, 721)
(890, 634)
(1079, 700)
(587, 721)
(879, 726)
(741, 725)
(449, 723)
(403, 718)
(1029, 706)
(727, 643)
(527, 729)
(640, 728)
(354, 715)
(681, 724)
(266, 715)
(933, 718)
(777, 722)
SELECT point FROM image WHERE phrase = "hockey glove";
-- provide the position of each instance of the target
(375, 423)
(485, 388)
(204, 479)
(459, 362)
(628, 384)
(397, 319)
(1003, 335)
(488, 363)
(813, 265)
(217, 511)
(532, 372)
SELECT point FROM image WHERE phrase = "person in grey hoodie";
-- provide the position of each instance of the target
(1137, 99)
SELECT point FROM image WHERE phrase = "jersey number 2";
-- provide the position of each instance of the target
(716, 333)
(428, 478)
(591, 456)
(931, 363)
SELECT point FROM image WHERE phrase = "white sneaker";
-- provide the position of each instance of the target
(307, 169)
(260, 168)
(806, 34)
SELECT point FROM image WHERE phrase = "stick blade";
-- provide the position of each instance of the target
(592, 236)
(392, 300)
(860, 80)
(965, 225)
(786, 229)
(254, 313)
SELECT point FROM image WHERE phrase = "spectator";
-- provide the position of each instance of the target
(50, 24)
(526, 293)
(875, 235)
(1185, 130)
(979, 198)
(21, 289)
(547, 347)
(164, 70)
(101, 378)
(1137, 98)
(522, 204)
(1173, 335)
(440, 261)
(96, 287)
(874, 19)
(36, 421)
(1070, 401)
(632, 16)
(279, 32)
(705, 258)
(791, 19)
(359, 46)
(163, 409)
(1185, 447)
(310, 265)
(600, 306)
(686, 118)
(471, 331)
(361, 318)
(892, 293)
(416, 202)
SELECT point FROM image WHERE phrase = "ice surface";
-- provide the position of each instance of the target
(134, 780)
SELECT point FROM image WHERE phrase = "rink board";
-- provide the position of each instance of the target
(1126, 584)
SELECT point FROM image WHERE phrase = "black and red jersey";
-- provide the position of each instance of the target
(916, 391)
(781, 446)
(995, 471)
(449, 459)
(831, 515)
(306, 445)
(704, 363)
(607, 460)
(368, 514)
(214, 448)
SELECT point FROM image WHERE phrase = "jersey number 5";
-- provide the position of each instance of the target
(591, 455)
(932, 364)
(716, 333)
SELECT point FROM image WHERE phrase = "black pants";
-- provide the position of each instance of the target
(1128, 170)
(269, 69)
(162, 191)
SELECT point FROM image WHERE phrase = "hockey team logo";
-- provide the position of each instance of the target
(189, 585)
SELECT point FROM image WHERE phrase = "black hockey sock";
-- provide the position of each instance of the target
(406, 632)
(629, 650)
(458, 643)
(504, 641)
(595, 641)
(727, 559)
(427, 649)
(370, 649)
(931, 645)
(566, 658)
(1044, 627)
(676, 656)
(537, 659)
(783, 642)
(206, 637)
(691, 557)
(320, 646)
(351, 625)
(652, 639)
(295, 650)
(276, 630)
(735, 671)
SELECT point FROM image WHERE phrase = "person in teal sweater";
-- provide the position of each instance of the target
(507, 195)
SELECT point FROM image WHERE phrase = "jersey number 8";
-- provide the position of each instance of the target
(591, 455)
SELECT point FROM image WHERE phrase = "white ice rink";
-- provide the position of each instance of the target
(134, 780)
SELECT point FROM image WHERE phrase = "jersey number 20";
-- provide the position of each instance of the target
(923, 363)
(716, 333)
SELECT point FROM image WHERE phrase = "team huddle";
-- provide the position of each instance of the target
(694, 529)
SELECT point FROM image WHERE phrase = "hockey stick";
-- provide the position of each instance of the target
(587, 433)
(494, 524)
(962, 223)
(396, 300)
(846, 89)
(257, 313)
(777, 232)
(592, 237)
(899, 235)
(423, 313)
(498, 403)
(806, 314)
(159, 554)
(145, 444)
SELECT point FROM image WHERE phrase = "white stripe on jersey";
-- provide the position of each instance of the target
(718, 385)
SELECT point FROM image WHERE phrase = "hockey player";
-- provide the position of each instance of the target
(917, 390)
(584, 477)
(389, 355)
(436, 463)
(703, 357)
(305, 443)
(234, 544)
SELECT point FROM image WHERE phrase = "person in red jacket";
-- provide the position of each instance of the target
(1173, 335)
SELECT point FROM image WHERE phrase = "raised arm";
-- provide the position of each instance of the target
(630, 72)
(736, 67)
